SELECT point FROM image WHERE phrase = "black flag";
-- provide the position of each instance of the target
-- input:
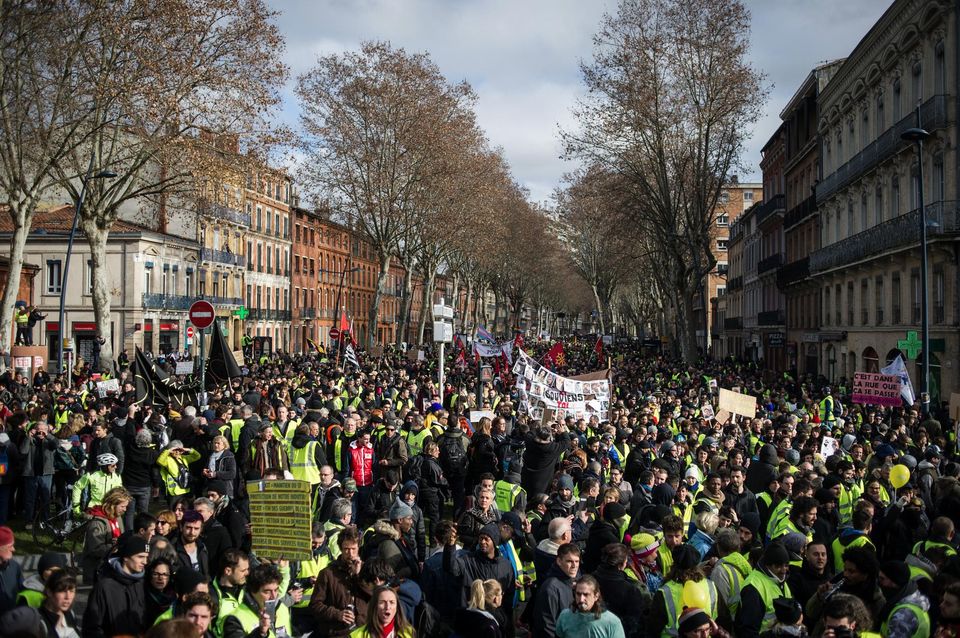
(221, 364)
(152, 386)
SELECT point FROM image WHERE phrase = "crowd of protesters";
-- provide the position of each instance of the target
(661, 520)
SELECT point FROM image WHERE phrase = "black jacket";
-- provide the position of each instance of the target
(140, 467)
(203, 558)
(217, 539)
(115, 606)
(627, 599)
(539, 461)
(553, 596)
(602, 533)
(760, 474)
(109, 444)
(469, 567)
(483, 457)
(230, 517)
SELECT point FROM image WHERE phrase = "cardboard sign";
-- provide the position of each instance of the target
(476, 415)
(238, 355)
(876, 389)
(722, 416)
(737, 403)
(829, 446)
(280, 517)
(105, 387)
(184, 367)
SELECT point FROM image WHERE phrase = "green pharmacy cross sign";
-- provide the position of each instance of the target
(243, 313)
(911, 345)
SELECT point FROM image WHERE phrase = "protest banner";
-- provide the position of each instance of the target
(544, 392)
(876, 389)
(280, 516)
(184, 367)
(476, 415)
(829, 446)
(105, 387)
(737, 403)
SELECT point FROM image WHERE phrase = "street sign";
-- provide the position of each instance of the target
(202, 314)
(189, 332)
(334, 334)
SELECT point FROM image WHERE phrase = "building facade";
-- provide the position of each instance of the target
(868, 265)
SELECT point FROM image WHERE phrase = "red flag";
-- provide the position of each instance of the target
(598, 348)
(344, 324)
(556, 355)
(518, 341)
(461, 361)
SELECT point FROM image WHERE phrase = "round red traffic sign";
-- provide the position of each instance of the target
(202, 314)
(189, 332)
(334, 333)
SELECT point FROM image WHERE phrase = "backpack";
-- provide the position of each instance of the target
(62, 460)
(427, 621)
(453, 457)
(414, 469)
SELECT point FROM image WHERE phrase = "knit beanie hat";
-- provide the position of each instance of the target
(131, 545)
(776, 554)
(186, 580)
(897, 571)
(6, 535)
(685, 556)
(491, 530)
(644, 544)
(218, 486)
(613, 511)
(751, 521)
(692, 619)
(788, 611)
(51, 559)
(565, 482)
(399, 510)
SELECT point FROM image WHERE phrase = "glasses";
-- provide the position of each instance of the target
(161, 574)
(164, 523)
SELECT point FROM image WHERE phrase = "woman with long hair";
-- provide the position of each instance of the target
(166, 524)
(385, 617)
(103, 531)
(158, 590)
(483, 617)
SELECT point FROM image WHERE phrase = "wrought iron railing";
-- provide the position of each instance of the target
(933, 116)
(226, 213)
(800, 212)
(769, 263)
(222, 257)
(773, 205)
(733, 323)
(159, 301)
(899, 232)
(770, 318)
(793, 272)
(735, 283)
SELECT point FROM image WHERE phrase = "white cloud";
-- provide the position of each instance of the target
(522, 58)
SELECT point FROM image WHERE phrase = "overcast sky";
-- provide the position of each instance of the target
(522, 58)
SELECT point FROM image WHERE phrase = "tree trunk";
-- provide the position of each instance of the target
(405, 305)
(97, 240)
(426, 303)
(686, 326)
(480, 308)
(374, 315)
(596, 300)
(497, 311)
(21, 222)
(467, 314)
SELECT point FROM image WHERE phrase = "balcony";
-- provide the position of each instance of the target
(225, 301)
(734, 284)
(219, 211)
(158, 301)
(933, 116)
(800, 212)
(260, 314)
(733, 323)
(770, 318)
(770, 263)
(793, 272)
(308, 313)
(898, 233)
(773, 205)
(222, 257)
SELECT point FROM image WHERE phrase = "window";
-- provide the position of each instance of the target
(895, 298)
(748, 196)
(54, 276)
(88, 275)
(849, 218)
(188, 284)
(269, 217)
(216, 285)
(864, 128)
(723, 219)
(203, 285)
(277, 299)
(724, 197)
(916, 82)
(722, 268)
(296, 233)
(851, 139)
(897, 101)
(939, 70)
(826, 306)
(269, 258)
(164, 281)
(850, 303)
(937, 185)
(878, 299)
(864, 301)
(863, 212)
(894, 197)
(839, 305)
(722, 244)
(914, 186)
(296, 263)
(878, 204)
(276, 224)
(249, 295)
(259, 257)
(878, 120)
(938, 294)
(259, 297)
(259, 218)
(915, 296)
(147, 281)
(721, 291)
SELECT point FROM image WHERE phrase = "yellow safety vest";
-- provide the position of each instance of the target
(227, 604)
(415, 441)
(31, 598)
(170, 470)
(303, 464)
(769, 591)
(236, 425)
(249, 620)
(506, 494)
(310, 569)
(839, 549)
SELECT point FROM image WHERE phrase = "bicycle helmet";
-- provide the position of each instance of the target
(107, 459)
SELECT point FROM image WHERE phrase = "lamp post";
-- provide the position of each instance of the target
(66, 262)
(917, 135)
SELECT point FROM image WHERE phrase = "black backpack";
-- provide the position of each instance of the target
(453, 458)
(414, 469)
(427, 621)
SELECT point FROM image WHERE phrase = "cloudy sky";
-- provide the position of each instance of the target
(522, 58)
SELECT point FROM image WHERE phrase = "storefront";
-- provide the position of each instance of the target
(169, 335)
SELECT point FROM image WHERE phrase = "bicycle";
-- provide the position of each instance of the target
(60, 530)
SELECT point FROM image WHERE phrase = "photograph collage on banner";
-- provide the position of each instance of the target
(542, 390)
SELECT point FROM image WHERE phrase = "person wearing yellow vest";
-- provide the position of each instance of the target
(227, 588)
(803, 514)
(285, 427)
(185, 583)
(32, 594)
(306, 459)
(673, 529)
(667, 605)
(827, 408)
(417, 436)
(261, 612)
(941, 535)
(763, 586)
(174, 464)
(728, 574)
(856, 536)
(508, 493)
(385, 617)
(906, 613)
(96, 485)
(849, 491)
(305, 576)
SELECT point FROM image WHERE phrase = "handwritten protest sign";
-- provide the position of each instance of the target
(280, 515)
(829, 446)
(737, 403)
(476, 415)
(184, 367)
(876, 389)
(105, 387)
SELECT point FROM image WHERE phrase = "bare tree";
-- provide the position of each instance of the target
(157, 80)
(671, 101)
(372, 119)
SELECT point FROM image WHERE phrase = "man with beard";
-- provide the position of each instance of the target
(227, 589)
(948, 625)
(737, 495)
(803, 514)
(859, 578)
(391, 454)
(586, 616)
(804, 581)
(764, 585)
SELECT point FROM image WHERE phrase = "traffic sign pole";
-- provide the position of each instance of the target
(203, 371)
(202, 315)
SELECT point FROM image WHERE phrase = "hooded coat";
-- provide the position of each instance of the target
(115, 606)
(760, 474)
(468, 567)
(539, 460)
(417, 536)
(400, 555)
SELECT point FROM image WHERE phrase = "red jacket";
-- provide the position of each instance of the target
(361, 463)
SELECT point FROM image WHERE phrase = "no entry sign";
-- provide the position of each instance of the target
(189, 332)
(202, 314)
(334, 334)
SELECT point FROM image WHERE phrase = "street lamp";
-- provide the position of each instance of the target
(917, 135)
(103, 174)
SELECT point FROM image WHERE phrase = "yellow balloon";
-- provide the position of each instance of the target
(899, 475)
(696, 595)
